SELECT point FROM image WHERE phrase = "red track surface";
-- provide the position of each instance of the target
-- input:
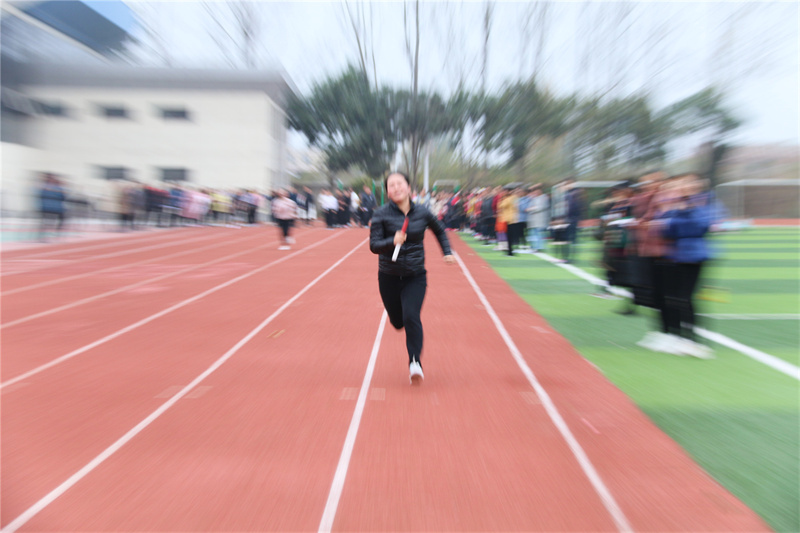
(777, 222)
(254, 446)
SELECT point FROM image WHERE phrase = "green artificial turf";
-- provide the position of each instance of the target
(737, 417)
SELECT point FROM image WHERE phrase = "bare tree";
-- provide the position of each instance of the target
(622, 22)
(583, 49)
(487, 30)
(413, 57)
(237, 30)
(457, 62)
(526, 36)
(748, 39)
(542, 27)
(412, 159)
(363, 32)
(606, 38)
(534, 30)
(657, 55)
(152, 45)
(460, 64)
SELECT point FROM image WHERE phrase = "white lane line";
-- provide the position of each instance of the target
(577, 271)
(778, 364)
(129, 287)
(221, 242)
(144, 321)
(751, 316)
(108, 452)
(771, 361)
(335, 493)
(224, 241)
(111, 241)
(583, 460)
(106, 256)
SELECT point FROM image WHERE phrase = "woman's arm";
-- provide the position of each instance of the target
(438, 229)
(379, 242)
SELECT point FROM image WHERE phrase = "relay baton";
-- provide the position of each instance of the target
(397, 246)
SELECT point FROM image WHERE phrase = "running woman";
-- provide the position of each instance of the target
(403, 282)
(285, 211)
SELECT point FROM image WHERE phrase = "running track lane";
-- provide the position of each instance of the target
(18, 284)
(425, 421)
(13, 268)
(182, 260)
(469, 450)
(30, 344)
(214, 453)
(96, 242)
(238, 457)
(490, 459)
(56, 421)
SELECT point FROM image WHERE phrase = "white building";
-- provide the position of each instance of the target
(305, 160)
(96, 124)
(72, 106)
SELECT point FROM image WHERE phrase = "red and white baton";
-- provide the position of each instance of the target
(397, 246)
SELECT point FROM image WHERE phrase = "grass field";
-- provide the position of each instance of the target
(737, 417)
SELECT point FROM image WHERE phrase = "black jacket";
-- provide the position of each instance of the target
(388, 220)
(367, 201)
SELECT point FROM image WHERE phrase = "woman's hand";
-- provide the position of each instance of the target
(450, 259)
(399, 237)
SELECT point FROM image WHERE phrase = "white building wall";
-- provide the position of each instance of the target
(228, 142)
(17, 183)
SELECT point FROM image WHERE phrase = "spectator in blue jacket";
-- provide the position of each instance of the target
(575, 210)
(685, 223)
(52, 199)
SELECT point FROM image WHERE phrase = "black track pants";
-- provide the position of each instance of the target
(402, 297)
(679, 289)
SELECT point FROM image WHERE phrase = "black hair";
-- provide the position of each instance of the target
(685, 174)
(386, 181)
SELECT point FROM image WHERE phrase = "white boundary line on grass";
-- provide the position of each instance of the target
(780, 365)
(583, 460)
(752, 316)
(337, 486)
(152, 317)
(770, 360)
(22, 519)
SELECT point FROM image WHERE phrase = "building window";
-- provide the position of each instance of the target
(17, 103)
(114, 173)
(174, 113)
(174, 174)
(114, 111)
(51, 109)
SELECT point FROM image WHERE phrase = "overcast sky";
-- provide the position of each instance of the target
(672, 49)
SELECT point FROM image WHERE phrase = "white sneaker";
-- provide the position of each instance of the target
(650, 340)
(695, 349)
(605, 295)
(663, 342)
(415, 374)
(284, 247)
